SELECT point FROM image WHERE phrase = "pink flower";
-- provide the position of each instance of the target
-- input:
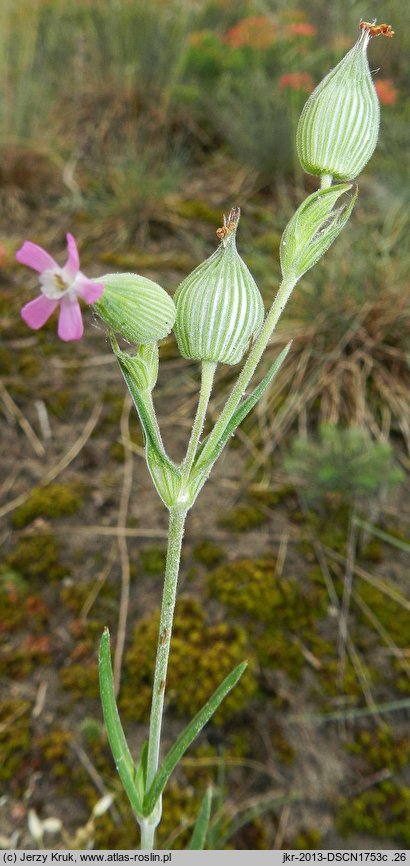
(59, 287)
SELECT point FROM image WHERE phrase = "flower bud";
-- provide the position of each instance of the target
(339, 125)
(135, 307)
(313, 228)
(219, 306)
(143, 367)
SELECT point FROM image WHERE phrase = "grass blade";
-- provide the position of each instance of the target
(384, 536)
(198, 838)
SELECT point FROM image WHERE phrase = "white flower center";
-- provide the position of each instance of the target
(54, 284)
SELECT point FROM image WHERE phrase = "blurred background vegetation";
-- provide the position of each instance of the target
(134, 125)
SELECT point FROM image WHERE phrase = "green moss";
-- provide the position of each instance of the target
(248, 586)
(15, 740)
(18, 605)
(278, 613)
(382, 812)
(74, 595)
(271, 498)
(13, 591)
(180, 808)
(243, 518)
(37, 558)
(56, 752)
(110, 836)
(201, 657)
(81, 679)
(153, 559)
(379, 749)
(390, 613)
(21, 659)
(329, 682)
(55, 500)
(306, 840)
(208, 553)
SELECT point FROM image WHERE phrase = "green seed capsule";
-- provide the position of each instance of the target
(135, 307)
(219, 306)
(339, 125)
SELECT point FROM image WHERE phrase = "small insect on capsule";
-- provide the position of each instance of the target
(377, 29)
(230, 223)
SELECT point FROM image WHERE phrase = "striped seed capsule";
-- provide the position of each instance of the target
(219, 306)
(136, 308)
(339, 125)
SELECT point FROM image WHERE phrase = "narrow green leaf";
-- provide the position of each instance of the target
(188, 736)
(121, 754)
(198, 838)
(141, 774)
(243, 410)
(216, 828)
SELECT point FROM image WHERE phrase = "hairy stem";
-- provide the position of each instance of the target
(177, 517)
(325, 181)
(207, 378)
(147, 836)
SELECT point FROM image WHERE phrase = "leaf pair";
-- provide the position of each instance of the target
(133, 777)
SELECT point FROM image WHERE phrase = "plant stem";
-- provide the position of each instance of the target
(177, 517)
(207, 377)
(242, 382)
(147, 836)
(325, 181)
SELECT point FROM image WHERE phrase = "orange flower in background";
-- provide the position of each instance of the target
(257, 31)
(301, 28)
(301, 81)
(386, 91)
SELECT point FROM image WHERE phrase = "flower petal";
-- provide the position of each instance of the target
(35, 257)
(72, 264)
(88, 289)
(70, 322)
(36, 312)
